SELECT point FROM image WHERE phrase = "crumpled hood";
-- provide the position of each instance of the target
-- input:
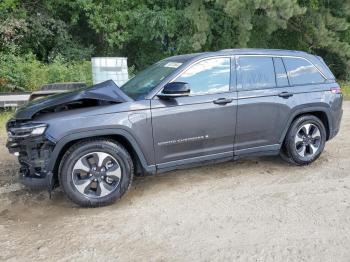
(105, 91)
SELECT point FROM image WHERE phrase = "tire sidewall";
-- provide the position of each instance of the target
(68, 162)
(297, 124)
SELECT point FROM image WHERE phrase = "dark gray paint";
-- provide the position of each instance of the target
(191, 118)
(263, 115)
(131, 117)
(106, 91)
(255, 122)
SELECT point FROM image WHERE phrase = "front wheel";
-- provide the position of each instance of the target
(305, 140)
(96, 172)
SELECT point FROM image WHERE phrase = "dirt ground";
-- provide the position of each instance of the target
(259, 209)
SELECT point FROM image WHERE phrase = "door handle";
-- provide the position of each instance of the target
(285, 94)
(222, 101)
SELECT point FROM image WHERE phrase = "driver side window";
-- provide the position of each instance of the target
(208, 77)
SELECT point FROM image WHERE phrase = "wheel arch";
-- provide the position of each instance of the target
(121, 136)
(320, 112)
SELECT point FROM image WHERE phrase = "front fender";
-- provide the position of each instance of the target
(60, 145)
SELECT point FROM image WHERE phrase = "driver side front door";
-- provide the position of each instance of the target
(201, 126)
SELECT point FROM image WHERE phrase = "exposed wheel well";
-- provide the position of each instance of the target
(119, 138)
(320, 115)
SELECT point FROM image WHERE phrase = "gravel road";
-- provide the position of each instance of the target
(258, 209)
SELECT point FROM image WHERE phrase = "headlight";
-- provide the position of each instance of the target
(27, 130)
(39, 130)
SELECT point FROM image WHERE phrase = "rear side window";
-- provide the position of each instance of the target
(302, 72)
(256, 73)
(281, 75)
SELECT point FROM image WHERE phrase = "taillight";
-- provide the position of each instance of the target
(336, 90)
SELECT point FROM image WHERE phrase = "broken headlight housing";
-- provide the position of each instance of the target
(27, 130)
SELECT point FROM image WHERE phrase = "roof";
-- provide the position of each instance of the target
(183, 58)
(317, 61)
(261, 51)
(240, 51)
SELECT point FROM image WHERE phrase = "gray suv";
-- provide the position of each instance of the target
(182, 111)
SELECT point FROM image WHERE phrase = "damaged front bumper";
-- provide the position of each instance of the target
(33, 150)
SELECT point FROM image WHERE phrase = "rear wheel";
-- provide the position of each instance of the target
(96, 172)
(305, 140)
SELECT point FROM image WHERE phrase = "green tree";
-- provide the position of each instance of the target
(148, 30)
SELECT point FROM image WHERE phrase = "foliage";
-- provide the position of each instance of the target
(26, 72)
(345, 86)
(61, 32)
(33, 27)
(5, 115)
(148, 30)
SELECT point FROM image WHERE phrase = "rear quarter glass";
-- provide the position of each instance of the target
(302, 72)
(324, 68)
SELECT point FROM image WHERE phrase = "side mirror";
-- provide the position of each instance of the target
(175, 89)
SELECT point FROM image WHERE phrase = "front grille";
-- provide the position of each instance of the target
(19, 132)
(10, 124)
(21, 129)
(14, 128)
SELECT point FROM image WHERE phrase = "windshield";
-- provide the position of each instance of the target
(144, 82)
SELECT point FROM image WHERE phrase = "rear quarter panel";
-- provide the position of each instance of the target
(314, 98)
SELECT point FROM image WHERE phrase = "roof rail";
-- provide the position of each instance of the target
(260, 49)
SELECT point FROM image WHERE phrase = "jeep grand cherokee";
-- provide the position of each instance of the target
(182, 111)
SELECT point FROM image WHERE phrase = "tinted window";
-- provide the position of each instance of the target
(207, 77)
(301, 72)
(281, 75)
(144, 82)
(256, 72)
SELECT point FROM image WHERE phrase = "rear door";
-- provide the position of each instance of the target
(202, 125)
(265, 100)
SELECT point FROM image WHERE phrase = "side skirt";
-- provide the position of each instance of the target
(269, 150)
(195, 161)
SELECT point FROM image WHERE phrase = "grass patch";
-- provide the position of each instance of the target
(345, 87)
(5, 115)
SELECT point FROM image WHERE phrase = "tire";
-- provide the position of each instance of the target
(302, 147)
(79, 185)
